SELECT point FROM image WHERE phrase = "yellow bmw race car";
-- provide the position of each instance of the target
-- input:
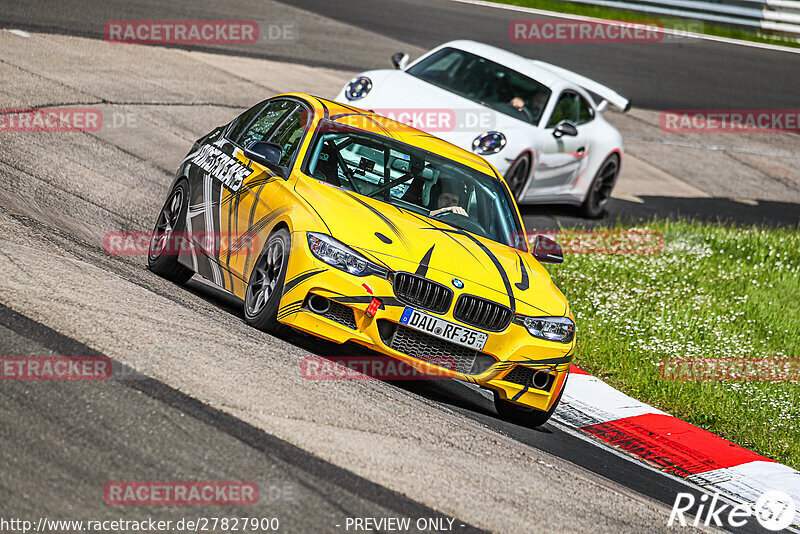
(352, 227)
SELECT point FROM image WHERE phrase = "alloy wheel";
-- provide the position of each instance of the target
(265, 277)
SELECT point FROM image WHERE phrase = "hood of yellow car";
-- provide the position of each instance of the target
(405, 241)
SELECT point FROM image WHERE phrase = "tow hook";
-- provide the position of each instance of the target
(374, 304)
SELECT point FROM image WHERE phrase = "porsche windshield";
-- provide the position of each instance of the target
(486, 82)
(415, 180)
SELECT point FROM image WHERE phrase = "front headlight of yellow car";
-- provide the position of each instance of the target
(339, 255)
(559, 329)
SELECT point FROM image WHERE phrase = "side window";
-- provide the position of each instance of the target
(585, 111)
(567, 108)
(243, 121)
(289, 134)
(261, 128)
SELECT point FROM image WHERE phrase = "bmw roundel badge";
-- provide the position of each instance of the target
(458, 284)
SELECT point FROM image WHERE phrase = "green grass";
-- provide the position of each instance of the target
(713, 292)
(667, 22)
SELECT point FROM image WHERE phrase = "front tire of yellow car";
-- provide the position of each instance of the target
(265, 287)
(524, 415)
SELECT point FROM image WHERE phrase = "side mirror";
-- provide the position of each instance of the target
(565, 128)
(268, 155)
(400, 60)
(546, 250)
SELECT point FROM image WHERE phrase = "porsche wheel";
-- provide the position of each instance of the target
(517, 175)
(265, 287)
(162, 257)
(522, 415)
(600, 190)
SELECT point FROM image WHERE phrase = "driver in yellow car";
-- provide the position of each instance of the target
(448, 201)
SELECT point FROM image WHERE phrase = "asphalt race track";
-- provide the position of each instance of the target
(216, 400)
(685, 74)
(103, 421)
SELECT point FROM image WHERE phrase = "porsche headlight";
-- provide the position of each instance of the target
(559, 329)
(489, 143)
(358, 88)
(339, 255)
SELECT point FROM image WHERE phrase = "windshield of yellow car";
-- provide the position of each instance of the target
(415, 180)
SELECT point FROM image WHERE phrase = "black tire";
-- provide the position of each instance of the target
(171, 220)
(517, 175)
(265, 287)
(594, 204)
(523, 415)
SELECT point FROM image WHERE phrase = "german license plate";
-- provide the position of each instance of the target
(442, 329)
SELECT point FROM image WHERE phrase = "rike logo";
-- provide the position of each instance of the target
(774, 510)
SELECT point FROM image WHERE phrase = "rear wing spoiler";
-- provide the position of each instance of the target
(617, 100)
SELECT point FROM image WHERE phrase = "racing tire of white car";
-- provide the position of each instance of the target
(518, 174)
(599, 193)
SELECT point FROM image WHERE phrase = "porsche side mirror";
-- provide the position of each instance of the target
(565, 128)
(268, 155)
(546, 250)
(400, 60)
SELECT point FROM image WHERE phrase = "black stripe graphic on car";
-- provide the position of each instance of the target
(459, 243)
(548, 361)
(261, 181)
(288, 286)
(289, 309)
(523, 284)
(396, 229)
(422, 269)
(506, 282)
(232, 209)
(254, 229)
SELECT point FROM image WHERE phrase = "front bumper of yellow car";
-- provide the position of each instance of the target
(505, 363)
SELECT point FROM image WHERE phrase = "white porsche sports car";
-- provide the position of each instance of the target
(538, 124)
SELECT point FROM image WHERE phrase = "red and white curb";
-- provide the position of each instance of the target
(670, 444)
